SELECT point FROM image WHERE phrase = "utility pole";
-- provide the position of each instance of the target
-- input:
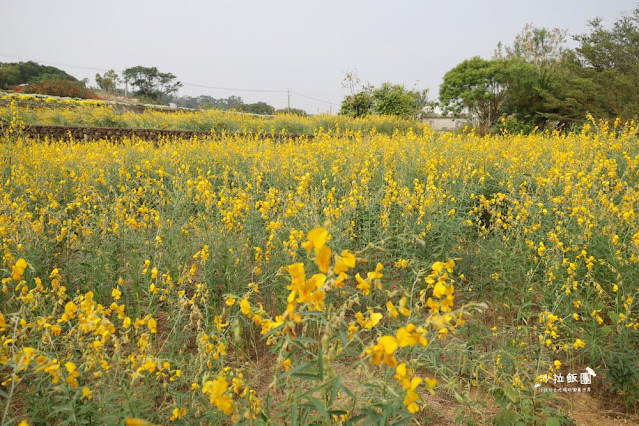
(288, 108)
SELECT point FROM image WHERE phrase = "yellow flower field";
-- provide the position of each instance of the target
(53, 111)
(342, 279)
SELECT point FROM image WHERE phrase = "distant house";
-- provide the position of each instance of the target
(444, 123)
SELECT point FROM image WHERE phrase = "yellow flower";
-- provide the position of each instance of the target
(579, 344)
(323, 258)
(153, 325)
(383, 351)
(410, 401)
(70, 310)
(392, 311)
(363, 285)
(430, 383)
(439, 290)
(18, 269)
(131, 421)
(286, 364)
(178, 413)
(407, 336)
(230, 301)
(352, 329)
(371, 322)
(345, 261)
(245, 307)
(116, 294)
(215, 390)
(86, 393)
(315, 239)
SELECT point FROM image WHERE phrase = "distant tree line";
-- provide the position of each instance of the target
(234, 103)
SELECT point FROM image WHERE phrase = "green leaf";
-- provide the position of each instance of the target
(553, 421)
(307, 376)
(319, 407)
(320, 362)
(510, 393)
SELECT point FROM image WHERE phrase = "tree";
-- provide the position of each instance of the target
(15, 73)
(358, 104)
(108, 81)
(388, 99)
(261, 108)
(600, 76)
(360, 101)
(395, 99)
(151, 83)
(478, 87)
(535, 45)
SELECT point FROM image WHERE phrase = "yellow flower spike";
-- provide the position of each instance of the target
(230, 301)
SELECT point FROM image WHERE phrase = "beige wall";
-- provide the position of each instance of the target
(445, 123)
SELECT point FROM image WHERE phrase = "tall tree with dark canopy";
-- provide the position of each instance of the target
(599, 77)
(151, 83)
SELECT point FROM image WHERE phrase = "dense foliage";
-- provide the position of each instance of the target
(538, 82)
(65, 88)
(15, 73)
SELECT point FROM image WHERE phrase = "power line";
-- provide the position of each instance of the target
(234, 90)
(54, 63)
(312, 98)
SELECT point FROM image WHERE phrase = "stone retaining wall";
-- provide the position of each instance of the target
(116, 134)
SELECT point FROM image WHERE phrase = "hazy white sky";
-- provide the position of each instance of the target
(307, 46)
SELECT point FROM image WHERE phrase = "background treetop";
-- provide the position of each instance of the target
(151, 83)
